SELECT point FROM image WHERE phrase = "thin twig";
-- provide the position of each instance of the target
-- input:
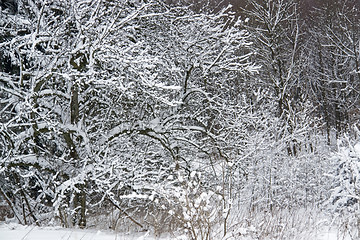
(28, 233)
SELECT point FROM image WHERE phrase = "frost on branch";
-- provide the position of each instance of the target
(101, 101)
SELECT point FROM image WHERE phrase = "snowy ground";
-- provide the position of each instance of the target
(18, 232)
(334, 235)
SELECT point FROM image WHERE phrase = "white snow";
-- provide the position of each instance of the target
(333, 235)
(357, 149)
(18, 232)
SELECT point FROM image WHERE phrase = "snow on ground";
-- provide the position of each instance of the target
(19, 232)
(333, 235)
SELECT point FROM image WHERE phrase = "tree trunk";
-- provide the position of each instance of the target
(79, 201)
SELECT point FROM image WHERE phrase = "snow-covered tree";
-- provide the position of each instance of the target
(102, 102)
(334, 65)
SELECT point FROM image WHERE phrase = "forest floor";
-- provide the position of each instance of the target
(19, 232)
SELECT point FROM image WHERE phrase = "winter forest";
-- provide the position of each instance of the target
(212, 119)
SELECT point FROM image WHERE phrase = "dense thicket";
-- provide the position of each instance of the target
(176, 112)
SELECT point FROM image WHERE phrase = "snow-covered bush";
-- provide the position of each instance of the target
(345, 193)
(196, 209)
